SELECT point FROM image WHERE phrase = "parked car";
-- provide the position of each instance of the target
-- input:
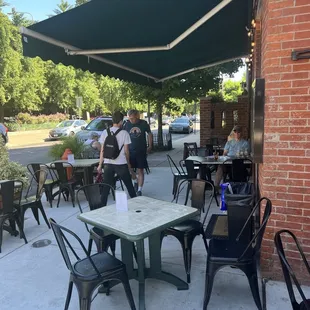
(98, 125)
(182, 124)
(4, 133)
(67, 128)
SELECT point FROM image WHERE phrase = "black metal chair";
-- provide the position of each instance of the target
(187, 231)
(67, 180)
(34, 202)
(239, 254)
(93, 194)
(178, 175)
(289, 273)
(240, 170)
(91, 271)
(205, 174)
(209, 150)
(51, 180)
(192, 148)
(8, 211)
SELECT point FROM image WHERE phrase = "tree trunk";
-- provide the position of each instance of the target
(149, 111)
(159, 110)
(1, 113)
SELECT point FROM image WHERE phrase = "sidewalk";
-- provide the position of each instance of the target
(36, 278)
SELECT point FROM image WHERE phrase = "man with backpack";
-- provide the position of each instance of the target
(115, 156)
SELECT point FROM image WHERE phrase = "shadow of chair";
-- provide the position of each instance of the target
(288, 270)
(91, 271)
(187, 231)
(238, 253)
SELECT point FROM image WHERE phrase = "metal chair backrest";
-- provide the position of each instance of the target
(258, 236)
(38, 166)
(190, 168)
(64, 171)
(60, 233)
(192, 148)
(39, 178)
(182, 165)
(93, 194)
(209, 150)
(9, 194)
(198, 188)
(174, 168)
(288, 271)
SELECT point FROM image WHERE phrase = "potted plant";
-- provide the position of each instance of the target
(11, 170)
(75, 145)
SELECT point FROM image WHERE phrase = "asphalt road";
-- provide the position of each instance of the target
(39, 154)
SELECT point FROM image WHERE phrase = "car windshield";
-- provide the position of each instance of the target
(181, 121)
(65, 124)
(99, 124)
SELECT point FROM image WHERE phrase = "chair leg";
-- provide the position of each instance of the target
(60, 192)
(71, 192)
(125, 281)
(1, 233)
(210, 274)
(251, 274)
(90, 243)
(20, 227)
(187, 254)
(215, 197)
(21, 214)
(187, 193)
(40, 206)
(134, 251)
(35, 212)
(204, 239)
(69, 295)
(49, 195)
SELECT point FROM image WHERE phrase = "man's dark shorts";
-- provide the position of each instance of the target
(138, 159)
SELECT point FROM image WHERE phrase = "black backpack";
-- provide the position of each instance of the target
(111, 148)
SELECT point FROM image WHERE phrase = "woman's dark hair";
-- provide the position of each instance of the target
(117, 117)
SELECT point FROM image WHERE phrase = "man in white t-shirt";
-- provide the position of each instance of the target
(120, 165)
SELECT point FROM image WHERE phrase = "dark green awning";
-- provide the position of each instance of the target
(119, 24)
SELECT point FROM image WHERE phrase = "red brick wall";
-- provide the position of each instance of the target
(206, 106)
(285, 174)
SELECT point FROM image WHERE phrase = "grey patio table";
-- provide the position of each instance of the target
(146, 218)
(209, 160)
(87, 165)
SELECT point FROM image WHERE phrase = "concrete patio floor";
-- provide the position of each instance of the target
(37, 278)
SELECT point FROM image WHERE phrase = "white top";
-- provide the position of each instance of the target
(144, 217)
(122, 138)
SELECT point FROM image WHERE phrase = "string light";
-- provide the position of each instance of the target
(253, 44)
(252, 50)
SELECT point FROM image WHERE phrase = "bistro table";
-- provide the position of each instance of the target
(87, 165)
(146, 218)
(210, 160)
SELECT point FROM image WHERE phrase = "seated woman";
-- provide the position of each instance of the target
(93, 146)
(232, 148)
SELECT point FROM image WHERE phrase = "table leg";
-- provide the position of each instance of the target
(141, 273)
(155, 271)
(127, 257)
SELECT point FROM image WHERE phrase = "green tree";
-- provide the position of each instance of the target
(19, 19)
(231, 90)
(33, 85)
(61, 85)
(62, 7)
(80, 2)
(3, 4)
(10, 62)
(86, 87)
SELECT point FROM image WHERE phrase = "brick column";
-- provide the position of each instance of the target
(205, 120)
(285, 174)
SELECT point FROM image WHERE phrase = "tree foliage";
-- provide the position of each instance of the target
(62, 7)
(19, 19)
(80, 2)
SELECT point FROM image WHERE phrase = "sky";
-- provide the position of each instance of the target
(39, 9)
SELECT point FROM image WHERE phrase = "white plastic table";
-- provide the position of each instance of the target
(146, 218)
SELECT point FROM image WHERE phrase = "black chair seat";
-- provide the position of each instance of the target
(188, 226)
(228, 251)
(103, 261)
(303, 305)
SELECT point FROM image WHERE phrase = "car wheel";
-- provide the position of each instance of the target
(71, 134)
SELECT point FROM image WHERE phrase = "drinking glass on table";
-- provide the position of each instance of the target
(238, 153)
(241, 153)
(246, 153)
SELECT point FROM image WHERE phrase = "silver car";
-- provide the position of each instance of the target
(67, 128)
(182, 124)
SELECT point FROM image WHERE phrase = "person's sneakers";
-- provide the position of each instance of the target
(139, 193)
(135, 185)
